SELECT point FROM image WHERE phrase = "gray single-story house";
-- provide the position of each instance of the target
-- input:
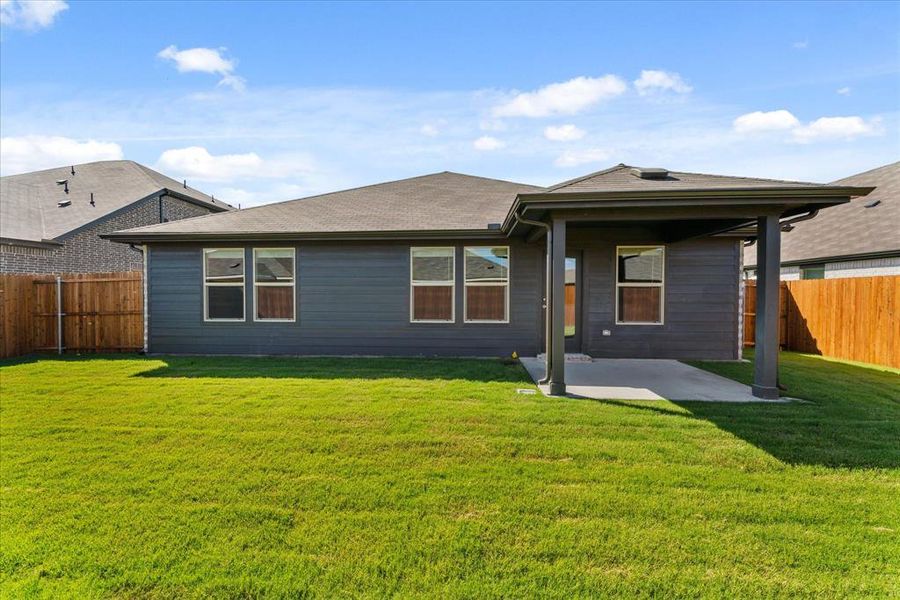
(51, 220)
(858, 239)
(456, 265)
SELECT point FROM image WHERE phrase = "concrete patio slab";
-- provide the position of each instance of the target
(644, 379)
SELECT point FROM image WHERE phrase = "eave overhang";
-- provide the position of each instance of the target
(263, 236)
(793, 199)
(49, 244)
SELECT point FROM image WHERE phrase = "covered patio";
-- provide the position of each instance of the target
(643, 379)
(665, 209)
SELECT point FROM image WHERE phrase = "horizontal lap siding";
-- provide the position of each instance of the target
(353, 299)
(701, 300)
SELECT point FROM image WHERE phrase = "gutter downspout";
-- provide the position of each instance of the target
(810, 215)
(787, 225)
(548, 339)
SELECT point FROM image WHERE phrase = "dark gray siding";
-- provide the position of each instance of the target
(353, 299)
(700, 298)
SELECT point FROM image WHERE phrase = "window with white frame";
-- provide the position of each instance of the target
(640, 281)
(223, 284)
(432, 275)
(487, 284)
(273, 284)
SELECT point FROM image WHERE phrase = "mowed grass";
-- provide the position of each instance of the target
(236, 477)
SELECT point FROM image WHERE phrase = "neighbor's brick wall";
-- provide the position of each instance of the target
(86, 252)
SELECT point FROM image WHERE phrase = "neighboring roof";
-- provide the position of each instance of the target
(848, 230)
(28, 202)
(439, 202)
(621, 179)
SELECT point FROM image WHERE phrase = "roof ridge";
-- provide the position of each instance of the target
(139, 167)
(747, 178)
(487, 178)
(93, 162)
(380, 183)
(872, 170)
(588, 176)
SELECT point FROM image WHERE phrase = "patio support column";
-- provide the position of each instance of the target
(768, 284)
(558, 309)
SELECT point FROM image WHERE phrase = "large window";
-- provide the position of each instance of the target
(487, 284)
(640, 275)
(223, 284)
(432, 275)
(273, 284)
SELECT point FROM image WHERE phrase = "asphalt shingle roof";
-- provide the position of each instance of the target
(28, 202)
(848, 229)
(439, 202)
(621, 179)
(442, 201)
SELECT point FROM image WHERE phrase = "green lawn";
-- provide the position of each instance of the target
(216, 477)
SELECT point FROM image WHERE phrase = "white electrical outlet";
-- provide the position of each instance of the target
(607, 332)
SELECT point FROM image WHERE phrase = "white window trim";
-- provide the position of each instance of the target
(242, 285)
(414, 284)
(292, 285)
(661, 286)
(467, 284)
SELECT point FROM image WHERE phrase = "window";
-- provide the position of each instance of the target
(487, 284)
(817, 272)
(273, 284)
(432, 273)
(571, 295)
(223, 283)
(639, 285)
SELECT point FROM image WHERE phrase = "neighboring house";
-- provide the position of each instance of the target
(50, 220)
(454, 265)
(858, 239)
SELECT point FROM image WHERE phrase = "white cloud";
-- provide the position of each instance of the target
(196, 162)
(429, 129)
(656, 81)
(831, 128)
(35, 152)
(563, 133)
(802, 45)
(759, 121)
(575, 158)
(487, 142)
(844, 91)
(30, 14)
(565, 98)
(204, 60)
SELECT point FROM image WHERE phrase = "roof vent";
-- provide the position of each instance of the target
(873, 203)
(650, 173)
(64, 182)
(63, 203)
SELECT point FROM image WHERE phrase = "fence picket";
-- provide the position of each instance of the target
(854, 318)
(102, 312)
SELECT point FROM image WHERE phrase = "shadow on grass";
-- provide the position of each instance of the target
(470, 369)
(851, 419)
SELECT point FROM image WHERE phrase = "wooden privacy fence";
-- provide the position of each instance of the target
(96, 312)
(855, 318)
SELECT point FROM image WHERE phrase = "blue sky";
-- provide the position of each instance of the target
(257, 102)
